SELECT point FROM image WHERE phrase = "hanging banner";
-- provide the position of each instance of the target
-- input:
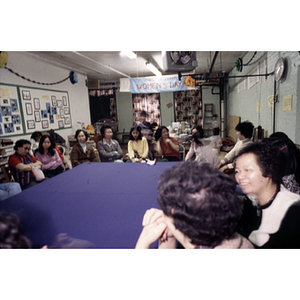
(155, 84)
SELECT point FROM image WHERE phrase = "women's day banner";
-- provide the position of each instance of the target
(155, 84)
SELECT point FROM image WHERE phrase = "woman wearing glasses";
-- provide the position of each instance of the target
(22, 163)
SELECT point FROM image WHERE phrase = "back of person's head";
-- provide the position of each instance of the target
(265, 158)
(137, 128)
(143, 113)
(11, 233)
(21, 143)
(158, 132)
(202, 202)
(215, 116)
(102, 130)
(81, 130)
(35, 135)
(246, 129)
(278, 134)
(50, 149)
(287, 155)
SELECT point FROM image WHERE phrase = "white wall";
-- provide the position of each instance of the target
(33, 68)
(244, 103)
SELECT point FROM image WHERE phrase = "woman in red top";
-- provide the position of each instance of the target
(166, 146)
(21, 164)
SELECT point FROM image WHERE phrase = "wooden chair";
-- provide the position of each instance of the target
(7, 173)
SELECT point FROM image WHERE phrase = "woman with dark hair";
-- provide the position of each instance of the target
(137, 146)
(288, 159)
(166, 146)
(244, 134)
(35, 139)
(108, 148)
(271, 213)
(82, 152)
(200, 209)
(204, 149)
(48, 155)
(21, 164)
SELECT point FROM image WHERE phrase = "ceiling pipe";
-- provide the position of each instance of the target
(212, 63)
(105, 66)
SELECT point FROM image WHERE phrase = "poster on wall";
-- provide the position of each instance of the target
(45, 109)
(24, 110)
(10, 113)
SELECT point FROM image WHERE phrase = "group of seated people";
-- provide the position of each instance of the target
(200, 206)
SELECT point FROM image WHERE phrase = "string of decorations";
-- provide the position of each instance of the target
(72, 76)
(3, 63)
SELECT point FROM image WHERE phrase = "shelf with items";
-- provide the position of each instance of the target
(188, 107)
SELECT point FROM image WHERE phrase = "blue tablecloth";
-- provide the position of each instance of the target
(102, 203)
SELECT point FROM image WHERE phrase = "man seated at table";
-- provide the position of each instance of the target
(200, 209)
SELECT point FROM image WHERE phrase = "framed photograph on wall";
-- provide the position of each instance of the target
(53, 99)
(67, 110)
(59, 103)
(45, 124)
(36, 103)
(30, 124)
(26, 95)
(37, 116)
(62, 114)
(28, 109)
(67, 120)
(61, 124)
(64, 99)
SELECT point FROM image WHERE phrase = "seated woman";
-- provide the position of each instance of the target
(22, 163)
(48, 155)
(109, 149)
(166, 146)
(137, 146)
(200, 209)
(35, 139)
(82, 152)
(271, 213)
(205, 149)
(288, 159)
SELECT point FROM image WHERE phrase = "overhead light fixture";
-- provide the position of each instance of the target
(153, 69)
(129, 54)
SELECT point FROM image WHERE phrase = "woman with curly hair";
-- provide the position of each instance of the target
(48, 155)
(271, 213)
(200, 209)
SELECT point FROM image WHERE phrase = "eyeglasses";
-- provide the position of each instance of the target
(27, 148)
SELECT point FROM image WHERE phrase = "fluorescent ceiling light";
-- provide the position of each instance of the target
(153, 69)
(129, 54)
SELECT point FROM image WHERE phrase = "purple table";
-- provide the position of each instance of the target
(102, 203)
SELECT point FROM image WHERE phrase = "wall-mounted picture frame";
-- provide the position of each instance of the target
(29, 109)
(60, 124)
(59, 103)
(8, 127)
(37, 116)
(45, 124)
(67, 110)
(36, 103)
(30, 124)
(26, 95)
(64, 99)
(62, 113)
(53, 99)
(67, 120)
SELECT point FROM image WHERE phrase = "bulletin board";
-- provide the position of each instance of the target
(26, 109)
